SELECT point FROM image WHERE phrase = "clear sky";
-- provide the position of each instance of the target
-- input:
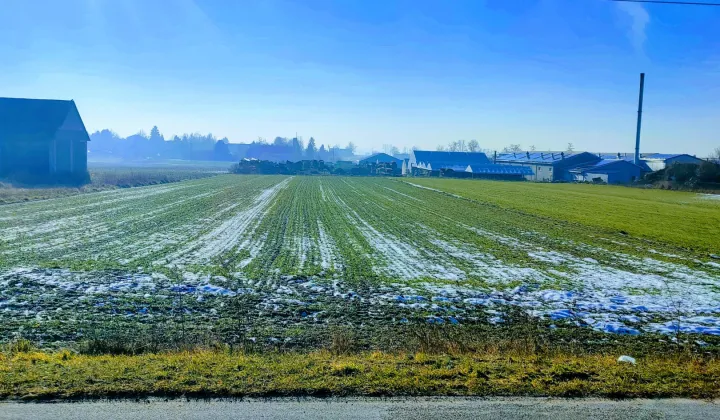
(411, 73)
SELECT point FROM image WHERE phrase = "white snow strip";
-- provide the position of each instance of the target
(709, 196)
(403, 194)
(326, 246)
(229, 233)
(434, 189)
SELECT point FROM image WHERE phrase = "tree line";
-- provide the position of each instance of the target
(108, 144)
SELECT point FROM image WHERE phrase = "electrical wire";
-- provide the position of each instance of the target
(687, 3)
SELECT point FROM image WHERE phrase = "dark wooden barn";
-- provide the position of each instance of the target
(42, 139)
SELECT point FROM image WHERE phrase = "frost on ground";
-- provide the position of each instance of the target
(211, 240)
(709, 196)
(326, 246)
(235, 232)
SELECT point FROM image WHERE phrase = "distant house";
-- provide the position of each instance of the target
(380, 158)
(42, 138)
(433, 161)
(548, 166)
(610, 171)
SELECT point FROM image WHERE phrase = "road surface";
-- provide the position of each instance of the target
(367, 408)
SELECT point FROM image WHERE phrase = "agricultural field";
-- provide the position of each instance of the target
(267, 257)
(107, 177)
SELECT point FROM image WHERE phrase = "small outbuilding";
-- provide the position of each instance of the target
(610, 171)
(652, 162)
(660, 161)
(42, 139)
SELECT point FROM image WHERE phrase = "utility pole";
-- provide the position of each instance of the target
(639, 119)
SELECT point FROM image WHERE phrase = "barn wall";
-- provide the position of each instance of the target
(589, 176)
(543, 173)
(619, 173)
(80, 157)
(25, 157)
(63, 156)
(72, 122)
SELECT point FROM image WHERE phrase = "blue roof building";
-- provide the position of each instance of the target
(610, 171)
(651, 162)
(434, 161)
(496, 169)
(548, 166)
(380, 158)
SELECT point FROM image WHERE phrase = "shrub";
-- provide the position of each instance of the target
(681, 172)
(708, 172)
(19, 345)
(342, 341)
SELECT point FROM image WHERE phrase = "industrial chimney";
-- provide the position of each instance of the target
(639, 120)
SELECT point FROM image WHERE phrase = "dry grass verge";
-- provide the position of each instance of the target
(42, 375)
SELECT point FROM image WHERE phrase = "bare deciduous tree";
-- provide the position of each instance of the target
(473, 146)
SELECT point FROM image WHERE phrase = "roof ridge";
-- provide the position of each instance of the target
(36, 99)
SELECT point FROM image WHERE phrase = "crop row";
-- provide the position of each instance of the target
(310, 247)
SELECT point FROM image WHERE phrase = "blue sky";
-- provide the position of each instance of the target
(411, 73)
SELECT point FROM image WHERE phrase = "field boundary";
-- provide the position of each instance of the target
(207, 374)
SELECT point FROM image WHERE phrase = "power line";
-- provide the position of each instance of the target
(687, 3)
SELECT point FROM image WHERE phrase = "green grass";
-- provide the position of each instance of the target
(319, 262)
(39, 375)
(338, 250)
(675, 218)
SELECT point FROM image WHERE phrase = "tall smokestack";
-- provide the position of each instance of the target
(639, 119)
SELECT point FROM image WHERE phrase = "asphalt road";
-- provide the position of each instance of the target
(363, 408)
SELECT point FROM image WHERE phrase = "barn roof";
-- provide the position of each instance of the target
(34, 119)
(630, 157)
(549, 157)
(451, 158)
(495, 169)
(381, 158)
(666, 156)
(645, 156)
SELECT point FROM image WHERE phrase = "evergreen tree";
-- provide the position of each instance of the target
(222, 151)
(297, 150)
(311, 150)
(155, 134)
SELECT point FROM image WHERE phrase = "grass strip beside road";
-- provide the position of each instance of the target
(207, 373)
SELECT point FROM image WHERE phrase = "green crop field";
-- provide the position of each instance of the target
(284, 254)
